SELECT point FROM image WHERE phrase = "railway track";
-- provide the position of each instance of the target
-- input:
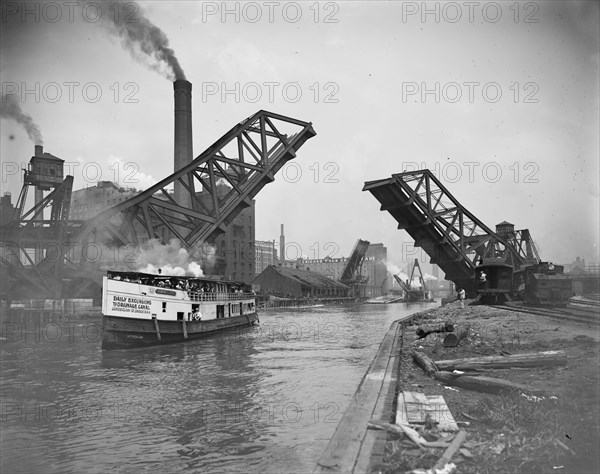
(587, 313)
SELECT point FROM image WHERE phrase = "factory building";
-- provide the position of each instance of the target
(330, 267)
(373, 267)
(235, 248)
(7, 210)
(89, 202)
(291, 282)
(234, 257)
(264, 255)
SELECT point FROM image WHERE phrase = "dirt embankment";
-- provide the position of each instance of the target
(558, 432)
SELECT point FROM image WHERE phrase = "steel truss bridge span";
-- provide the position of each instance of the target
(453, 237)
(218, 183)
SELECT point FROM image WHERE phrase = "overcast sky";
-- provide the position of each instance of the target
(499, 99)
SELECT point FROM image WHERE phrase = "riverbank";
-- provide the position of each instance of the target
(556, 431)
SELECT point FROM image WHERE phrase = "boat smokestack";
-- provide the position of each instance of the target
(39, 150)
(183, 136)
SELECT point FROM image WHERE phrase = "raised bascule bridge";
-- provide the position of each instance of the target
(454, 238)
(352, 272)
(50, 257)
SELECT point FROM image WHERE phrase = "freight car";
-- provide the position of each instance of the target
(541, 283)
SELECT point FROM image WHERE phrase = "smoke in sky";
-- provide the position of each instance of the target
(393, 269)
(171, 258)
(145, 41)
(10, 108)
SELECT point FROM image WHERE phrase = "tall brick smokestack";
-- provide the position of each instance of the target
(183, 135)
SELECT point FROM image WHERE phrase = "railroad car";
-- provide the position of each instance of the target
(543, 283)
(494, 281)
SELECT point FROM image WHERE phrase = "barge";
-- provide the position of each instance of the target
(140, 309)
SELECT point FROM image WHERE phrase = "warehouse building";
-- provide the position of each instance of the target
(292, 282)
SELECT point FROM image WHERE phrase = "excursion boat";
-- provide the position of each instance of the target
(142, 309)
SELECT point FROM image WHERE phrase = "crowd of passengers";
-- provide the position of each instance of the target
(182, 284)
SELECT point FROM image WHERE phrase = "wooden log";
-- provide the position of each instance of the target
(424, 362)
(427, 329)
(452, 339)
(534, 359)
(451, 450)
(483, 384)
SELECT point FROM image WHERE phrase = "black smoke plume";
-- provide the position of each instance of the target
(10, 108)
(145, 41)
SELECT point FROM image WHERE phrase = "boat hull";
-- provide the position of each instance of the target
(122, 333)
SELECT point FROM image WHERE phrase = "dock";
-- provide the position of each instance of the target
(354, 447)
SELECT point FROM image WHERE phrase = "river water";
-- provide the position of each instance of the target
(261, 399)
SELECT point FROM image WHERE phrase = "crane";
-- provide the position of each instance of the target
(414, 294)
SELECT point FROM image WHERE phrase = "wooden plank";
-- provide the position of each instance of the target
(411, 433)
(447, 456)
(373, 446)
(401, 414)
(414, 408)
(439, 412)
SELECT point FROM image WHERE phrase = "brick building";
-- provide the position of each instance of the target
(264, 255)
(88, 202)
